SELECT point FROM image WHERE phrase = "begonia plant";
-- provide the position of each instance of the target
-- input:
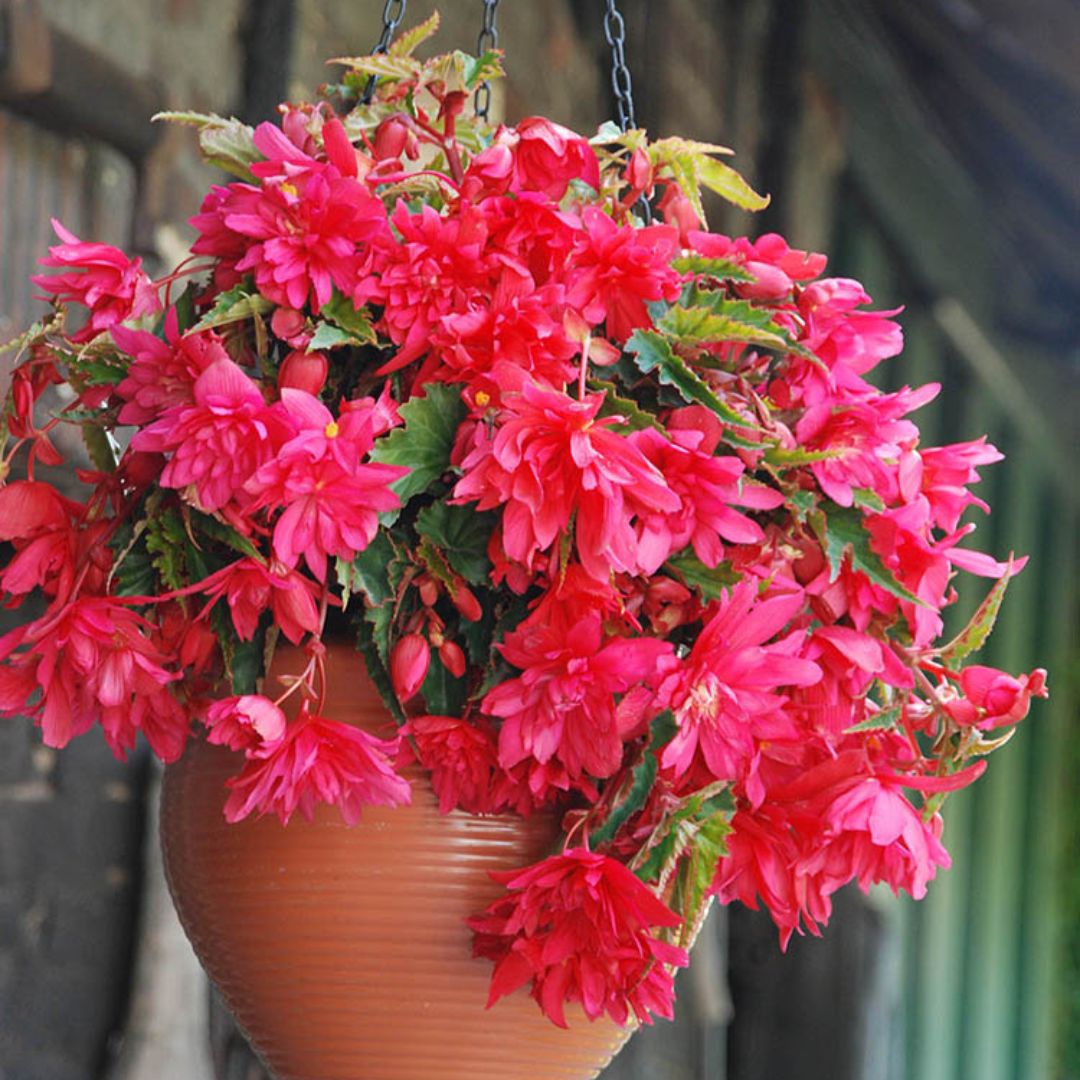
(623, 531)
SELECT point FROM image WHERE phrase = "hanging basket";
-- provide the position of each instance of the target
(343, 951)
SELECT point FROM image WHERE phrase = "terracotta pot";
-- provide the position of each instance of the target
(342, 951)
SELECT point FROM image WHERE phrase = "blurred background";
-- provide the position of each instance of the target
(932, 147)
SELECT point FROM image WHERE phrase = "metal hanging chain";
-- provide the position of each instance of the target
(392, 15)
(488, 39)
(615, 32)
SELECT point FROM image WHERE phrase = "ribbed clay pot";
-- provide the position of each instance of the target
(343, 952)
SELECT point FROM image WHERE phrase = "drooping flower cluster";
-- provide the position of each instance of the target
(626, 532)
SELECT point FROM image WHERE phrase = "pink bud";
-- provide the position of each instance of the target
(453, 658)
(302, 370)
(465, 601)
(391, 138)
(771, 283)
(287, 324)
(409, 665)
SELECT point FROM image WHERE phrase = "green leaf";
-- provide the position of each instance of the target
(444, 693)
(234, 305)
(462, 534)
(228, 144)
(710, 582)
(369, 572)
(729, 184)
(99, 446)
(652, 352)
(803, 502)
(679, 828)
(883, 720)
(344, 314)
(979, 627)
(216, 530)
(247, 663)
(167, 542)
(635, 416)
(482, 68)
(868, 500)
(705, 851)
(413, 38)
(424, 442)
(661, 731)
(715, 318)
(380, 675)
(328, 336)
(842, 535)
(133, 572)
(711, 266)
(783, 458)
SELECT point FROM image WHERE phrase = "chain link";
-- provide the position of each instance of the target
(488, 39)
(392, 16)
(615, 32)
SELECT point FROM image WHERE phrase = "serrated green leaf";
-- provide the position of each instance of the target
(868, 500)
(729, 184)
(413, 38)
(344, 314)
(802, 501)
(462, 535)
(705, 850)
(842, 535)
(99, 446)
(652, 352)
(328, 336)
(711, 266)
(722, 320)
(884, 720)
(226, 143)
(635, 416)
(132, 573)
(783, 458)
(234, 305)
(167, 543)
(979, 626)
(662, 730)
(444, 693)
(382, 65)
(483, 68)
(246, 663)
(216, 530)
(377, 669)
(423, 443)
(710, 582)
(369, 571)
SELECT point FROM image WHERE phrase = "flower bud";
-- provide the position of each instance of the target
(453, 659)
(391, 138)
(409, 662)
(465, 601)
(303, 371)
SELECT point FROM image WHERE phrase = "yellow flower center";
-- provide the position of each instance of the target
(331, 429)
(483, 398)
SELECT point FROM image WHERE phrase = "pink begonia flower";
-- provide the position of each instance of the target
(250, 588)
(317, 761)
(327, 500)
(162, 374)
(994, 698)
(873, 834)
(93, 662)
(462, 756)
(218, 442)
(439, 266)
(708, 486)
(244, 722)
(469, 345)
(769, 252)
(563, 703)
(548, 156)
(550, 461)
(534, 235)
(616, 269)
(99, 277)
(578, 927)
(727, 687)
(945, 473)
(42, 526)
